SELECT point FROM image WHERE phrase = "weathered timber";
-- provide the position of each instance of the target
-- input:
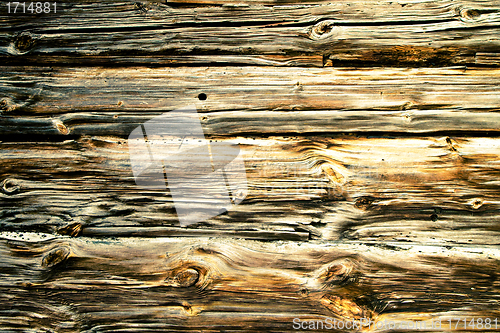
(179, 285)
(373, 191)
(133, 14)
(97, 101)
(432, 33)
(424, 190)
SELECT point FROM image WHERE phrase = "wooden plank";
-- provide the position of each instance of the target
(422, 190)
(108, 14)
(173, 284)
(265, 123)
(445, 33)
(97, 101)
(372, 190)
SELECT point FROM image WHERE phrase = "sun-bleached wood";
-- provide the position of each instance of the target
(426, 190)
(97, 101)
(360, 33)
(177, 284)
(370, 135)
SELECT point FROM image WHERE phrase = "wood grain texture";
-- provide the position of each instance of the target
(423, 190)
(426, 33)
(370, 137)
(175, 285)
(97, 101)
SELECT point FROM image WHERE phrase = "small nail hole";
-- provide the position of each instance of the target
(202, 96)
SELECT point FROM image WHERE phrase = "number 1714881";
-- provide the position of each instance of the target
(31, 7)
(478, 323)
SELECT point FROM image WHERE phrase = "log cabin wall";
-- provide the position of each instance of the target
(370, 136)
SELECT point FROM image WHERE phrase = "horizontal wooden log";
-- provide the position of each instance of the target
(96, 101)
(415, 34)
(173, 284)
(423, 190)
(372, 192)
(136, 14)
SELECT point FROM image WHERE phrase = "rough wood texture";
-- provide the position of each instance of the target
(97, 101)
(431, 33)
(438, 190)
(370, 133)
(170, 284)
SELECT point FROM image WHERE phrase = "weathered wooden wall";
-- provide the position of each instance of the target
(370, 132)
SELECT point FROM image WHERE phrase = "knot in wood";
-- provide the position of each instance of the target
(24, 42)
(56, 257)
(476, 203)
(10, 186)
(304, 291)
(7, 104)
(72, 230)
(140, 7)
(468, 14)
(407, 117)
(407, 106)
(61, 128)
(364, 202)
(187, 277)
(338, 273)
(322, 30)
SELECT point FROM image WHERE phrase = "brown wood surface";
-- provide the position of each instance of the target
(438, 190)
(104, 101)
(172, 284)
(370, 136)
(426, 33)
